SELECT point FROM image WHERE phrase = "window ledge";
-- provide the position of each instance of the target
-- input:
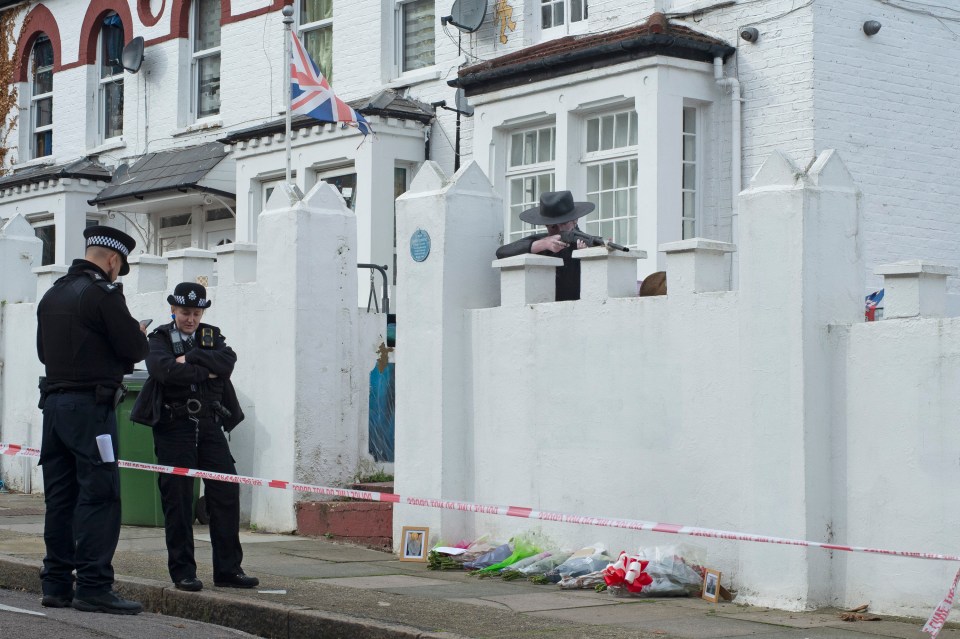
(199, 125)
(109, 145)
(418, 76)
(44, 161)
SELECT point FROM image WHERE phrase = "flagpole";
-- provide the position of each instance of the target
(287, 23)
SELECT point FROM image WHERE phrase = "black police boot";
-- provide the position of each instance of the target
(56, 601)
(238, 580)
(190, 584)
(109, 602)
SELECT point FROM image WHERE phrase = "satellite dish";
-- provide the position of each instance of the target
(132, 56)
(463, 106)
(121, 173)
(468, 15)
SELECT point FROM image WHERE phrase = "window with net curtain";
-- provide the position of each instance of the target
(111, 76)
(416, 34)
(316, 33)
(41, 98)
(206, 57)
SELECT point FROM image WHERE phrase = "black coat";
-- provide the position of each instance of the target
(568, 275)
(171, 382)
(85, 333)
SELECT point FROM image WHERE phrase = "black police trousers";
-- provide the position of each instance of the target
(82, 494)
(198, 444)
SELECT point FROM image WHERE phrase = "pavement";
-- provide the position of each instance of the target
(318, 588)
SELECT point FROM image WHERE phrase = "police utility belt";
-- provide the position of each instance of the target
(102, 394)
(196, 409)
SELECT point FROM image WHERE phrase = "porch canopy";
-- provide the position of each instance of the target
(178, 178)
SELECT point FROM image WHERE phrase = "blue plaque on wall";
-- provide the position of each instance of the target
(419, 245)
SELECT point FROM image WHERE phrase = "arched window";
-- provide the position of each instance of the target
(205, 45)
(41, 98)
(111, 77)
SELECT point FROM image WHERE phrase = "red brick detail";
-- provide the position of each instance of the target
(90, 32)
(227, 17)
(367, 523)
(38, 22)
(146, 16)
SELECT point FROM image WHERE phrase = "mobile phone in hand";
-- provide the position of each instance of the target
(145, 323)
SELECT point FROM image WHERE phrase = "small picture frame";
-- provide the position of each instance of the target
(413, 543)
(711, 585)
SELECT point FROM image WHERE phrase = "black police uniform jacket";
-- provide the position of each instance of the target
(172, 384)
(567, 276)
(86, 336)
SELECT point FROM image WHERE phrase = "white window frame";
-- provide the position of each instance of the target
(306, 27)
(620, 158)
(102, 83)
(196, 57)
(690, 188)
(531, 174)
(35, 98)
(565, 8)
(174, 232)
(399, 39)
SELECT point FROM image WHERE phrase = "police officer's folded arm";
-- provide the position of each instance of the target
(164, 367)
(219, 361)
(128, 341)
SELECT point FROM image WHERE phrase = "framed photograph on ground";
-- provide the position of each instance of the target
(711, 585)
(413, 543)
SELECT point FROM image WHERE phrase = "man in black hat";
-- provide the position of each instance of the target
(559, 213)
(190, 365)
(87, 341)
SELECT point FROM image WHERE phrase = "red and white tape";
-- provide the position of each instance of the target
(932, 627)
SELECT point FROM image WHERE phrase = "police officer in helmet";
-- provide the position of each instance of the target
(87, 341)
(190, 364)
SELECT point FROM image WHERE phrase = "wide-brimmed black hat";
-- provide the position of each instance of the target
(189, 294)
(556, 207)
(111, 238)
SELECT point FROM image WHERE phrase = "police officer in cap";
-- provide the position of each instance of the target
(191, 364)
(87, 341)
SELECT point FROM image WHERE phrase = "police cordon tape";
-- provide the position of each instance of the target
(932, 627)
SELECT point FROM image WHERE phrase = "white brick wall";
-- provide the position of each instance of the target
(812, 81)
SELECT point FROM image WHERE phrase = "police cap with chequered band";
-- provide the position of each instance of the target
(190, 295)
(113, 239)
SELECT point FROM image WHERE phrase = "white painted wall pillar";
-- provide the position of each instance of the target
(189, 265)
(148, 273)
(697, 265)
(434, 429)
(20, 251)
(915, 288)
(305, 306)
(800, 272)
(375, 164)
(46, 276)
(527, 279)
(660, 179)
(70, 222)
(236, 263)
(605, 273)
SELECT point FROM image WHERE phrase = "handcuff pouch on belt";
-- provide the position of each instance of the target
(190, 408)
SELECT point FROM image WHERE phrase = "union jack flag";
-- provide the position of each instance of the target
(310, 93)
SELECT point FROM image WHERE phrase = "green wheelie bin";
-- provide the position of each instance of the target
(139, 496)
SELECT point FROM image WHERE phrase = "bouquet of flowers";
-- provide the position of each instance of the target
(655, 572)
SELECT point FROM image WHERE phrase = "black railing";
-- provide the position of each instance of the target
(372, 297)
